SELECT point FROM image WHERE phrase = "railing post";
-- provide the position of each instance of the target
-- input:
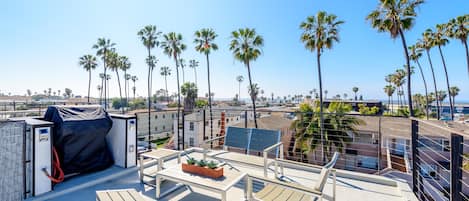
(415, 173)
(379, 146)
(245, 118)
(456, 164)
(183, 130)
(203, 114)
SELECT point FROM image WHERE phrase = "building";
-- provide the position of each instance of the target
(161, 124)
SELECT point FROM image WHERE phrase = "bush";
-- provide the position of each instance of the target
(367, 110)
(172, 104)
(117, 103)
(201, 103)
(137, 104)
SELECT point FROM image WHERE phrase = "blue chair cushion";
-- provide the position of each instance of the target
(262, 138)
(237, 137)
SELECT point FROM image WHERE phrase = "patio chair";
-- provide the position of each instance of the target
(250, 140)
(277, 190)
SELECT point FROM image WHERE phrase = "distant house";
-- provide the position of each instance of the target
(356, 103)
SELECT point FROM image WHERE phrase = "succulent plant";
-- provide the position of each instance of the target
(212, 165)
(191, 161)
(202, 163)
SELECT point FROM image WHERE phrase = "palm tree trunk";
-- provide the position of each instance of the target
(321, 114)
(125, 88)
(447, 82)
(239, 91)
(409, 83)
(425, 86)
(105, 86)
(179, 102)
(149, 99)
(209, 99)
(253, 100)
(389, 102)
(435, 87)
(134, 90)
(89, 86)
(120, 89)
(166, 87)
(101, 92)
(467, 56)
(195, 74)
(183, 77)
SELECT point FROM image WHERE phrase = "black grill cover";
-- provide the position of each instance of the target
(80, 137)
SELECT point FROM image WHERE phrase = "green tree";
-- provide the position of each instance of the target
(124, 65)
(453, 92)
(320, 32)
(114, 64)
(427, 43)
(240, 79)
(415, 54)
(395, 17)
(337, 126)
(182, 64)
(103, 46)
(204, 44)
(172, 46)
(355, 90)
(149, 36)
(134, 79)
(194, 64)
(88, 62)
(458, 28)
(189, 91)
(166, 71)
(389, 90)
(440, 39)
(246, 46)
(253, 91)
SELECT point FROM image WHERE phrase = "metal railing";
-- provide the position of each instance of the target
(440, 165)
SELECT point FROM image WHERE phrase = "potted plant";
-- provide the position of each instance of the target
(203, 168)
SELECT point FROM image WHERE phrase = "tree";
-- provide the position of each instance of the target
(204, 44)
(182, 64)
(28, 92)
(240, 79)
(389, 90)
(194, 64)
(102, 76)
(99, 88)
(134, 79)
(336, 130)
(453, 92)
(320, 32)
(88, 62)
(114, 63)
(253, 91)
(427, 43)
(173, 47)
(246, 46)
(149, 36)
(355, 90)
(166, 71)
(395, 17)
(440, 39)
(189, 91)
(458, 28)
(124, 65)
(102, 47)
(68, 92)
(441, 95)
(415, 54)
(127, 77)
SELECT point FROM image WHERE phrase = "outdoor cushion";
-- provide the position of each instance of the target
(237, 137)
(262, 138)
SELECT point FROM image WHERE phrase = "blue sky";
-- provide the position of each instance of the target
(41, 42)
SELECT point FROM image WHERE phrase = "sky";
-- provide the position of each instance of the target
(41, 41)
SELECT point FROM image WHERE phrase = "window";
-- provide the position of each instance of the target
(191, 141)
(164, 127)
(156, 128)
(172, 115)
(156, 116)
(191, 126)
(367, 162)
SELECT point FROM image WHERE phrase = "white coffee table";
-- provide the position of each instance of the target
(220, 185)
(160, 155)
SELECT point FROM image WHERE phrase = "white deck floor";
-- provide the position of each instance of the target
(348, 189)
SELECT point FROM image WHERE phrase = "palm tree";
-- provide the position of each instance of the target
(453, 92)
(320, 32)
(102, 47)
(441, 95)
(427, 43)
(355, 90)
(124, 65)
(204, 44)
(253, 91)
(189, 91)
(114, 63)
(325, 94)
(134, 79)
(439, 39)
(127, 77)
(88, 62)
(102, 76)
(246, 47)
(173, 47)
(415, 54)
(182, 64)
(149, 37)
(165, 71)
(395, 17)
(389, 90)
(194, 64)
(240, 79)
(458, 28)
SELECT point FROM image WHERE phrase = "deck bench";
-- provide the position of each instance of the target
(119, 195)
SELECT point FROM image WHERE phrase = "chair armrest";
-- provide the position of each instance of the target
(213, 139)
(292, 186)
(298, 164)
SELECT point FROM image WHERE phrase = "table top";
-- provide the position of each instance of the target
(160, 153)
(229, 179)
